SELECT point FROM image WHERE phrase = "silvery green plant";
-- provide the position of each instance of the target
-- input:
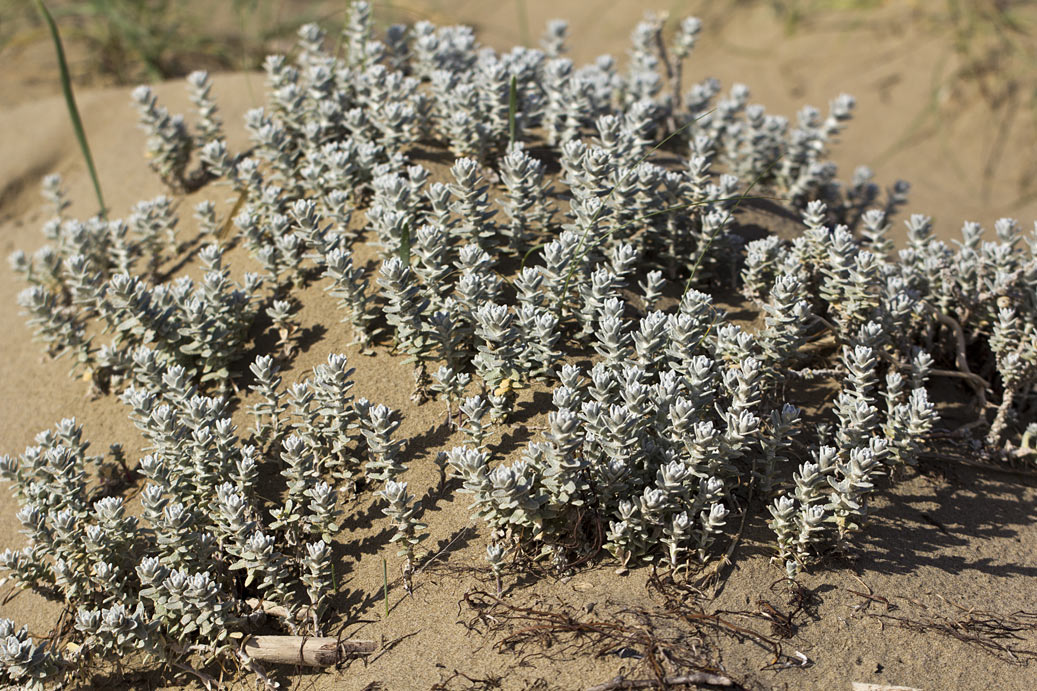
(391, 212)
(405, 310)
(786, 325)
(154, 224)
(450, 385)
(613, 340)
(451, 332)
(473, 410)
(205, 214)
(82, 278)
(280, 313)
(525, 204)
(349, 286)
(209, 125)
(395, 106)
(471, 205)
(161, 581)
(323, 411)
(402, 510)
(539, 340)
(825, 276)
(57, 327)
(269, 409)
(318, 578)
(663, 443)
(169, 143)
(53, 190)
(602, 287)
(929, 296)
(632, 434)
(495, 556)
(378, 424)
(553, 39)
(497, 339)
(432, 260)
(23, 662)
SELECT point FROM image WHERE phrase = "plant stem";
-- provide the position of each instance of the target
(385, 585)
(70, 101)
(512, 109)
(709, 242)
(523, 20)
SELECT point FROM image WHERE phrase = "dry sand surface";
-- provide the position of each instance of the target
(945, 548)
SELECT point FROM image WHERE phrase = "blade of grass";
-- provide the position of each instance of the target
(523, 20)
(385, 585)
(529, 253)
(70, 101)
(229, 221)
(405, 244)
(742, 197)
(512, 109)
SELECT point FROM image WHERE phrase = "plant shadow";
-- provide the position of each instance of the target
(908, 533)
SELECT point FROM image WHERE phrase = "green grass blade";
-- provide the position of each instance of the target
(405, 244)
(523, 21)
(385, 586)
(70, 101)
(512, 109)
(742, 197)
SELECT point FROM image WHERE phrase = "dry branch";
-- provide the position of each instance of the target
(695, 679)
(279, 611)
(1008, 637)
(979, 385)
(303, 650)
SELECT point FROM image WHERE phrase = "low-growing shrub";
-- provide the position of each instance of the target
(671, 423)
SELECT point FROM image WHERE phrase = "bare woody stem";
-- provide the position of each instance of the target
(302, 650)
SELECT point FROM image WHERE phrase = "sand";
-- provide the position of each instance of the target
(948, 539)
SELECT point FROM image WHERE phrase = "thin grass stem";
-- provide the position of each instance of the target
(385, 585)
(713, 236)
(70, 101)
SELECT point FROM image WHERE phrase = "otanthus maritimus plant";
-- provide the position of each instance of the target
(671, 424)
(165, 580)
(403, 512)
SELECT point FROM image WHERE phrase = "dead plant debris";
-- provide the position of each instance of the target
(1009, 637)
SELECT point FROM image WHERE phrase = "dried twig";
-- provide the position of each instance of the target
(993, 633)
(491, 682)
(696, 679)
(656, 636)
(677, 604)
(302, 650)
(979, 385)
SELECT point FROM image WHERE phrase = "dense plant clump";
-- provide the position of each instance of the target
(206, 558)
(671, 424)
(86, 274)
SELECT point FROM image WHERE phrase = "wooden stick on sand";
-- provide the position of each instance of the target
(304, 650)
